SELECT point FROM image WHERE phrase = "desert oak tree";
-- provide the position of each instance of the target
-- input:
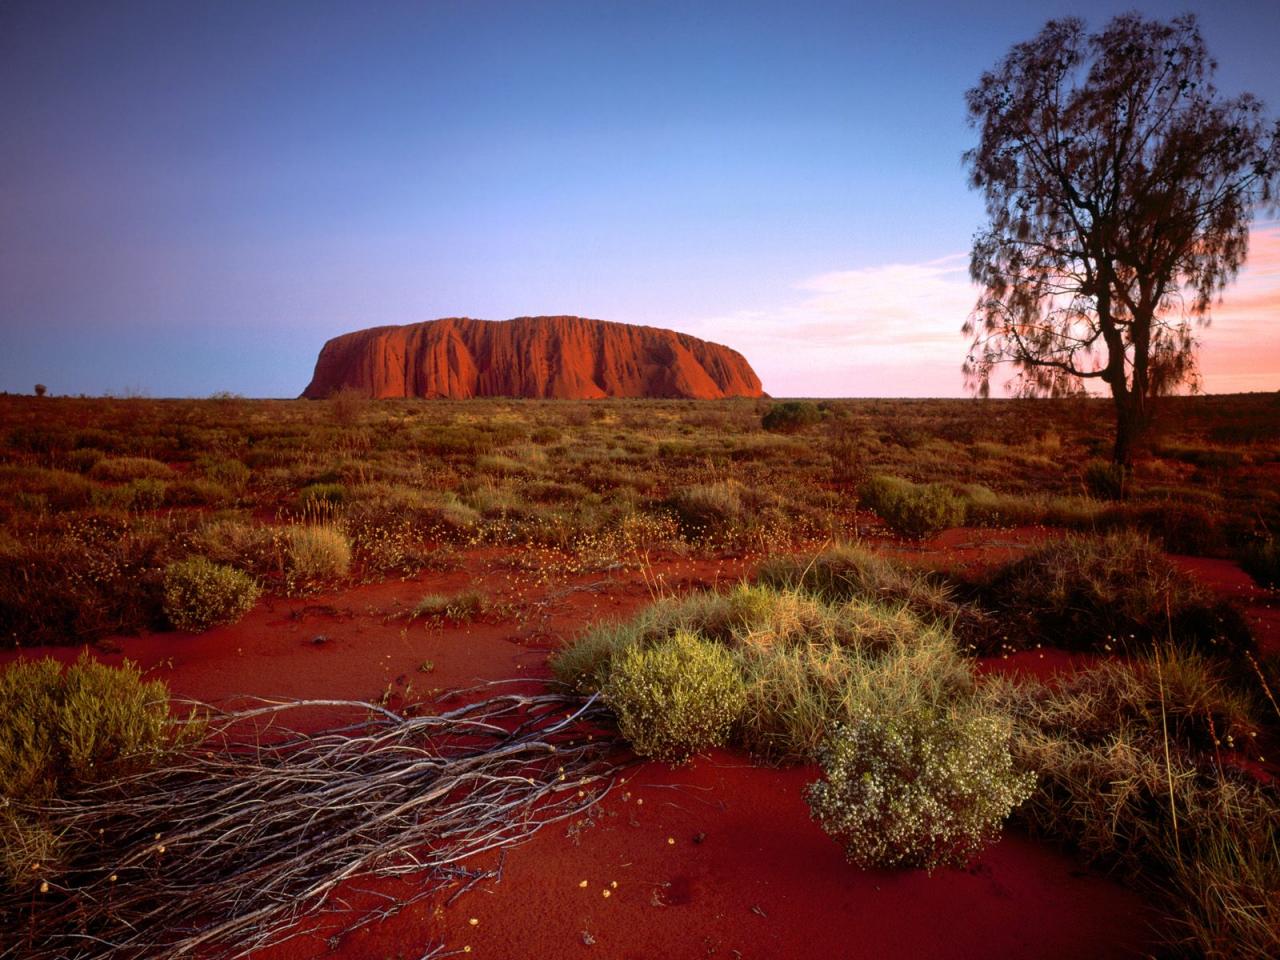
(1120, 187)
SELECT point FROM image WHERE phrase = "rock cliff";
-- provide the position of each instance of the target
(560, 357)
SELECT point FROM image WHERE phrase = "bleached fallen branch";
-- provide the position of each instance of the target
(228, 847)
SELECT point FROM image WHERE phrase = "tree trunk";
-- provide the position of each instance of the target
(1126, 435)
(1131, 424)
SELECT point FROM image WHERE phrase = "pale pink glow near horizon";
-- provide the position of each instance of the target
(894, 330)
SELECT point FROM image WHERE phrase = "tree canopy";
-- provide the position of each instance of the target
(1120, 187)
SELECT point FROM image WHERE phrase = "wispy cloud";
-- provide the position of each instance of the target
(890, 330)
(894, 329)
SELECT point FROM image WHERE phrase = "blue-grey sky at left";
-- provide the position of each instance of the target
(194, 196)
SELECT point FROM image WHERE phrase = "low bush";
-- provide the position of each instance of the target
(319, 496)
(121, 469)
(199, 594)
(1130, 758)
(1110, 592)
(1261, 561)
(145, 493)
(196, 492)
(71, 584)
(224, 471)
(348, 406)
(60, 729)
(921, 790)
(707, 509)
(913, 509)
(58, 489)
(1105, 479)
(460, 607)
(313, 554)
(849, 571)
(807, 663)
(676, 698)
(791, 416)
(1180, 527)
(846, 571)
(237, 542)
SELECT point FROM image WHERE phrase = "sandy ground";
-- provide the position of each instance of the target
(714, 859)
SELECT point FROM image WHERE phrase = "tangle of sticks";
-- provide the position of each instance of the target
(225, 849)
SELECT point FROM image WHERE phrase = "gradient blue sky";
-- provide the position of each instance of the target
(195, 196)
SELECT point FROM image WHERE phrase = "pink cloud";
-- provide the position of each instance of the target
(894, 330)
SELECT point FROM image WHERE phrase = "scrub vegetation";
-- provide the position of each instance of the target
(839, 650)
(98, 497)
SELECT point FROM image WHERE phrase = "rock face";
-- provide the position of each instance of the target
(560, 357)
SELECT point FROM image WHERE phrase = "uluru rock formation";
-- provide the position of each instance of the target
(559, 357)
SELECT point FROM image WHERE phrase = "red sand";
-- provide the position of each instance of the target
(748, 875)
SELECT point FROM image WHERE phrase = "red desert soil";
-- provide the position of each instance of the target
(714, 859)
(559, 357)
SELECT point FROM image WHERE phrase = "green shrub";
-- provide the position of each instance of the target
(791, 416)
(60, 489)
(846, 571)
(315, 553)
(451, 517)
(913, 509)
(61, 727)
(98, 574)
(199, 594)
(145, 493)
(234, 541)
(676, 698)
(121, 469)
(920, 790)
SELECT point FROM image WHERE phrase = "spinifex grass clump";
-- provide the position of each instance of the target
(707, 509)
(314, 555)
(849, 571)
(913, 509)
(459, 607)
(806, 663)
(927, 789)
(1109, 593)
(199, 594)
(121, 469)
(1136, 766)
